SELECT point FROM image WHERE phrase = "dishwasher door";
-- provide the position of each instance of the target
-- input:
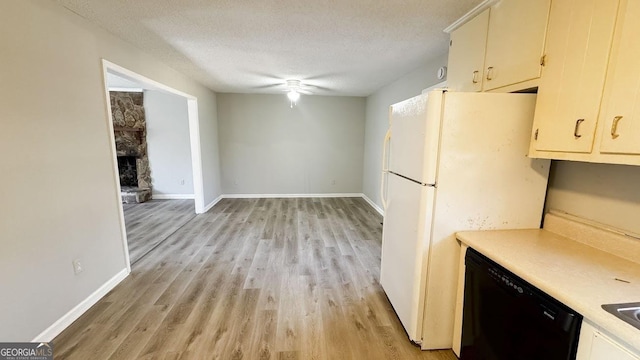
(506, 318)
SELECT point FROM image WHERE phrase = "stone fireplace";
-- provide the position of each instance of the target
(130, 131)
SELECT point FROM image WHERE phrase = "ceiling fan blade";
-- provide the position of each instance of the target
(268, 86)
(322, 76)
(322, 88)
(301, 91)
(263, 75)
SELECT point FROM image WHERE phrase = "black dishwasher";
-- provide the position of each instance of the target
(506, 318)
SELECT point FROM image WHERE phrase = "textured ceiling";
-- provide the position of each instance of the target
(343, 47)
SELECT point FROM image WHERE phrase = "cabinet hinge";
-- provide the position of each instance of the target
(543, 60)
(535, 136)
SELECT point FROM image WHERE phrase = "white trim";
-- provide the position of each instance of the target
(470, 15)
(196, 155)
(373, 205)
(112, 88)
(130, 75)
(114, 159)
(259, 196)
(212, 204)
(172, 196)
(57, 327)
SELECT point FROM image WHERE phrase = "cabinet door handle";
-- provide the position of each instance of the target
(575, 130)
(614, 127)
(475, 77)
(489, 73)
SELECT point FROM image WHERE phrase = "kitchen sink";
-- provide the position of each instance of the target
(629, 312)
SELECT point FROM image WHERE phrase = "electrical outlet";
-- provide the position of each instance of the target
(333, 182)
(77, 266)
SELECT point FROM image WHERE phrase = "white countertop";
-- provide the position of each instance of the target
(580, 276)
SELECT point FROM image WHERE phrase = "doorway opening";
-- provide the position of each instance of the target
(162, 135)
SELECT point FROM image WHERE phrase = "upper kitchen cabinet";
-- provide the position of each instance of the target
(588, 106)
(577, 52)
(620, 115)
(515, 42)
(466, 54)
(498, 47)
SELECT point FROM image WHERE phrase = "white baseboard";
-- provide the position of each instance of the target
(52, 331)
(172, 196)
(258, 196)
(213, 203)
(373, 205)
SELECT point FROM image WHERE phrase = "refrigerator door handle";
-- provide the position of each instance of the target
(385, 170)
(410, 179)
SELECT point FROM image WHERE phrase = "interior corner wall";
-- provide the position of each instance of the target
(168, 143)
(59, 193)
(377, 119)
(606, 193)
(267, 147)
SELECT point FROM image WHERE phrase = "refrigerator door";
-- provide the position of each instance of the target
(405, 246)
(415, 133)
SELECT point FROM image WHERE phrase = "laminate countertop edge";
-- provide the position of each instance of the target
(578, 275)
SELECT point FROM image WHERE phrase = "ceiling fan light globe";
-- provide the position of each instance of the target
(293, 95)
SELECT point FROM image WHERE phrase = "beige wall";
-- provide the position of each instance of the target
(266, 147)
(168, 143)
(377, 117)
(58, 189)
(609, 194)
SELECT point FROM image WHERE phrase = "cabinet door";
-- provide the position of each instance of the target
(515, 41)
(593, 345)
(620, 113)
(466, 54)
(604, 349)
(577, 51)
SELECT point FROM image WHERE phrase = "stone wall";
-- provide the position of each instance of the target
(130, 131)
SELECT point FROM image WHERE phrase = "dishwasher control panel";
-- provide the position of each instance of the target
(505, 279)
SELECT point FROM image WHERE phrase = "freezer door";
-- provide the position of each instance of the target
(405, 246)
(415, 134)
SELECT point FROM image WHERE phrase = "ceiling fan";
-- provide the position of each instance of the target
(294, 88)
(289, 84)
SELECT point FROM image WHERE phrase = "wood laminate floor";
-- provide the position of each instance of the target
(253, 279)
(151, 222)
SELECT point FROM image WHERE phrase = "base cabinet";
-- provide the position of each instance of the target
(594, 345)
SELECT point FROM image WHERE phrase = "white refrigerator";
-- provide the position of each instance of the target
(452, 162)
